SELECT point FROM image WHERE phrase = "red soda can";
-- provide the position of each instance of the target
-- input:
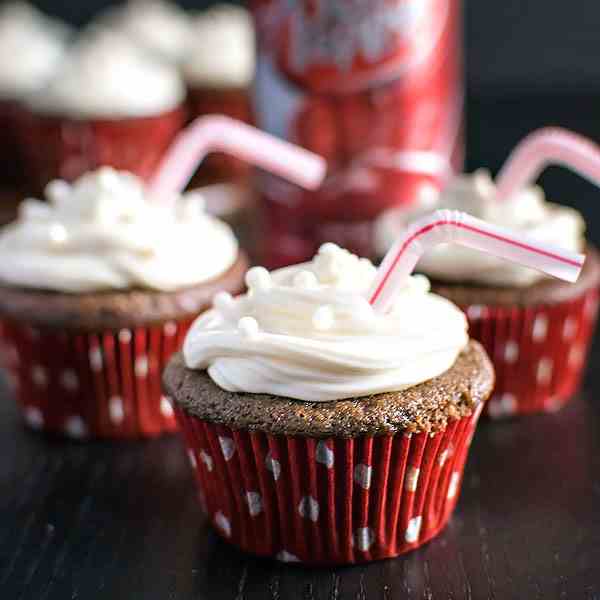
(375, 87)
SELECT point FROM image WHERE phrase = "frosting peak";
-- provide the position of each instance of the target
(221, 50)
(308, 332)
(106, 75)
(527, 211)
(103, 232)
(31, 48)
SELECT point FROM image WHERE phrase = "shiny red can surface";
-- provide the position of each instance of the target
(374, 86)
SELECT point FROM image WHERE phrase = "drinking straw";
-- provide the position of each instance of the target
(218, 133)
(449, 226)
(550, 145)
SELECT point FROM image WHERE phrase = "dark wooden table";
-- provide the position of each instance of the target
(120, 521)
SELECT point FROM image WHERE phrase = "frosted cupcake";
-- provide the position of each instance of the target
(109, 104)
(219, 69)
(31, 48)
(97, 289)
(319, 431)
(537, 330)
(161, 27)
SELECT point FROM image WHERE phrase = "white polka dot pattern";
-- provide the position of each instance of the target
(227, 447)
(412, 479)
(254, 502)
(192, 458)
(223, 523)
(324, 455)
(570, 328)
(309, 508)
(125, 336)
(453, 485)
(511, 352)
(273, 466)
(501, 406)
(33, 417)
(69, 380)
(166, 408)
(116, 410)
(286, 557)
(544, 371)
(96, 359)
(364, 538)
(362, 475)
(141, 366)
(540, 328)
(39, 376)
(445, 455)
(206, 458)
(413, 530)
(75, 427)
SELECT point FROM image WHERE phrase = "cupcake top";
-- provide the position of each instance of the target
(108, 76)
(307, 332)
(31, 48)
(221, 50)
(159, 26)
(527, 211)
(104, 232)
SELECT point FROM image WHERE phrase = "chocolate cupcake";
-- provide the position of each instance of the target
(110, 104)
(32, 47)
(321, 432)
(218, 69)
(97, 289)
(536, 330)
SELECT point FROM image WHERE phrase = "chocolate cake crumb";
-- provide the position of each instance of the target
(428, 406)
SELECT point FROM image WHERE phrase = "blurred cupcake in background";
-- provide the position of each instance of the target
(161, 27)
(537, 330)
(110, 103)
(98, 286)
(219, 68)
(31, 48)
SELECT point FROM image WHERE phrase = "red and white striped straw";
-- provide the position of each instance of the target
(218, 133)
(449, 226)
(550, 145)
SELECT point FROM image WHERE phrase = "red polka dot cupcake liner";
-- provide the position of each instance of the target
(60, 148)
(539, 352)
(233, 103)
(327, 501)
(85, 385)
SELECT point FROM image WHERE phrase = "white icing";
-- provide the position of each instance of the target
(106, 75)
(527, 211)
(308, 332)
(222, 47)
(159, 26)
(31, 48)
(104, 232)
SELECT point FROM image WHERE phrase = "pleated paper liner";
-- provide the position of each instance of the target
(105, 384)
(58, 148)
(330, 501)
(234, 103)
(539, 352)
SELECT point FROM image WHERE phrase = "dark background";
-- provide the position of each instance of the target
(513, 46)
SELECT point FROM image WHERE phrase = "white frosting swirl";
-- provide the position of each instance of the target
(221, 51)
(31, 48)
(308, 332)
(159, 26)
(103, 232)
(106, 75)
(526, 211)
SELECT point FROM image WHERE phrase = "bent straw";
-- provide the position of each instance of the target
(543, 147)
(448, 226)
(218, 133)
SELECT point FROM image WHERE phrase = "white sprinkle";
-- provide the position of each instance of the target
(323, 318)
(223, 301)
(305, 280)
(248, 328)
(258, 278)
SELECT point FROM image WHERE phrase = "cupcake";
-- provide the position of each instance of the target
(31, 48)
(160, 27)
(109, 104)
(98, 286)
(320, 432)
(536, 330)
(218, 69)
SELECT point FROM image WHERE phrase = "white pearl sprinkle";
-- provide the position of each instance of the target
(57, 233)
(305, 280)
(329, 248)
(323, 318)
(223, 301)
(258, 278)
(248, 327)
